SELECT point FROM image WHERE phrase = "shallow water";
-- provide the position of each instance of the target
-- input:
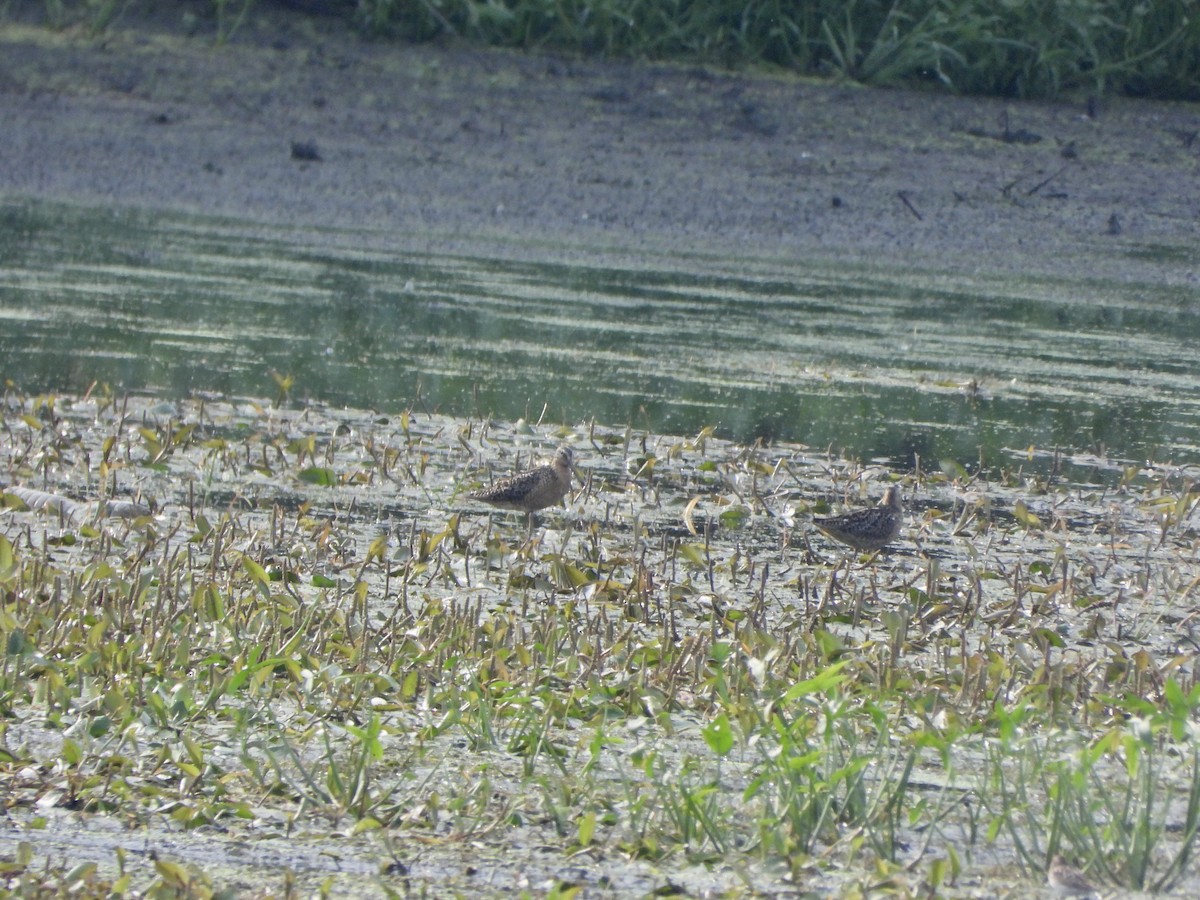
(879, 364)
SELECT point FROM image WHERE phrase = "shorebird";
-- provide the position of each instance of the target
(867, 529)
(533, 489)
(1068, 881)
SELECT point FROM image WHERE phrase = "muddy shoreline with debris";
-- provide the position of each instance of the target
(298, 120)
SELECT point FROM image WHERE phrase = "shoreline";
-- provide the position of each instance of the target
(423, 146)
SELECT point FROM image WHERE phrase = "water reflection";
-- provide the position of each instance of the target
(879, 364)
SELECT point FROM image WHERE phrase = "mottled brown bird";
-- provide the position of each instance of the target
(1068, 881)
(531, 490)
(867, 529)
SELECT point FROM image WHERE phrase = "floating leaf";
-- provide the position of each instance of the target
(1022, 514)
(319, 475)
(734, 517)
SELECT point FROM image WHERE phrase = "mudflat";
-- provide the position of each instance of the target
(301, 120)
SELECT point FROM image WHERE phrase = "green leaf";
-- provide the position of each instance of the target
(587, 828)
(71, 752)
(718, 734)
(173, 875)
(1022, 514)
(734, 517)
(568, 576)
(823, 682)
(408, 688)
(82, 872)
(16, 642)
(255, 571)
(937, 873)
(319, 475)
(1051, 637)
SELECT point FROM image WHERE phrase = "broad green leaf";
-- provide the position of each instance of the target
(319, 475)
(719, 735)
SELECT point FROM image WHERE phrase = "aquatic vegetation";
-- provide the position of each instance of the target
(224, 619)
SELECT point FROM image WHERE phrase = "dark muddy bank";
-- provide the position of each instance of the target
(299, 120)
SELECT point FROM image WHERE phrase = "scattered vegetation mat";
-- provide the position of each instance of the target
(255, 650)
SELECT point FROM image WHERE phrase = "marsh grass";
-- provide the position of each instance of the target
(656, 672)
(1110, 802)
(969, 46)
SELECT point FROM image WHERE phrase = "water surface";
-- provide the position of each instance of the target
(876, 363)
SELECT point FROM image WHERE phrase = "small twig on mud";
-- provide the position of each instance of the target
(903, 195)
(1045, 181)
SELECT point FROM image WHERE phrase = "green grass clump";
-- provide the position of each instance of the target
(1015, 49)
(970, 46)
